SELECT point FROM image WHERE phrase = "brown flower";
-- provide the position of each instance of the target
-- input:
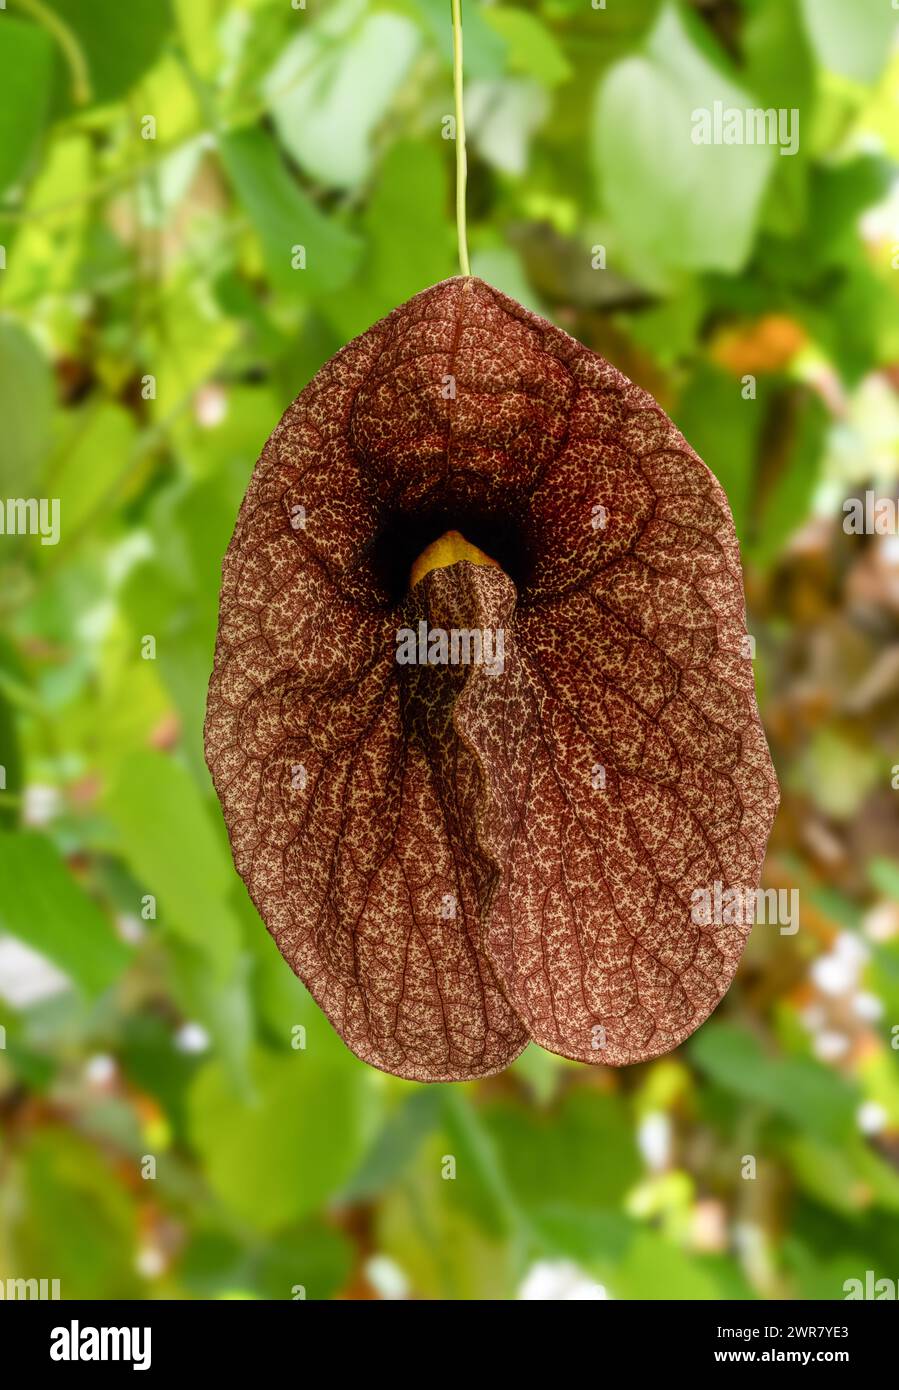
(457, 856)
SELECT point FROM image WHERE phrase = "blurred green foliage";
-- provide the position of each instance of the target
(176, 1118)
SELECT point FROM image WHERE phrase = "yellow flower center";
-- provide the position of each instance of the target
(447, 550)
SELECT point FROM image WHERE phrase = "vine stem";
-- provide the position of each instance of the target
(72, 51)
(461, 157)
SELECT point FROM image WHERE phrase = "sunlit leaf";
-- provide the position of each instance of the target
(805, 1092)
(850, 39)
(532, 48)
(43, 905)
(26, 71)
(277, 1156)
(118, 41)
(327, 95)
(74, 1221)
(166, 835)
(26, 403)
(681, 204)
(286, 218)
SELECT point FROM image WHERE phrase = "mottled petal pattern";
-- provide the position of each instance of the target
(456, 859)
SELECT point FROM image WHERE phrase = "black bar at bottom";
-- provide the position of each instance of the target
(235, 1337)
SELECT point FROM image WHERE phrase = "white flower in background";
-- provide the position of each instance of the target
(843, 1010)
(837, 972)
(150, 1262)
(41, 804)
(386, 1278)
(210, 406)
(830, 1046)
(27, 977)
(130, 928)
(559, 1281)
(708, 1226)
(192, 1038)
(867, 1007)
(754, 1250)
(654, 1140)
(882, 922)
(870, 1117)
(878, 224)
(100, 1070)
(813, 1017)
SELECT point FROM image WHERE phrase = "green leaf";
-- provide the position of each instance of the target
(46, 255)
(811, 1097)
(485, 50)
(780, 72)
(779, 68)
(26, 70)
(884, 969)
(799, 452)
(222, 1006)
(395, 1146)
(197, 22)
(854, 322)
(26, 405)
(43, 905)
(285, 217)
(606, 35)
(428, 1225)
(165, 834)
(313, 1256)
(502, 117)
(676, 204)
(10, 766)
(100, 449)
(540, 1072)
(532, 48)
(174, 594)
(595, 1239)
(632, 1262)
(839, 195)
(277, 1157)
(11, 761)
(152, 1061)
(884, 875)
(119, 41)
(847, 1178)
(483, 1182)
(835, 772)
(654, 1268)
(723, 428)
(853, 39)
(410, 240)
(581, 1153)
(327, 94)
(74, 1219)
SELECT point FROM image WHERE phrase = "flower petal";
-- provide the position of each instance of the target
(434, 848)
